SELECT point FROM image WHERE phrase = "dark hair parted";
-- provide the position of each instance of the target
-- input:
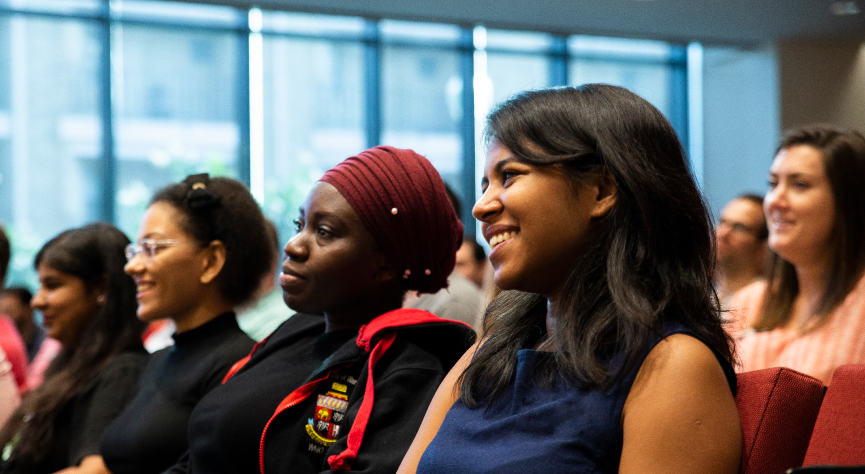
(94, 254)
(647, 262)
(843, 153)
(223, 209)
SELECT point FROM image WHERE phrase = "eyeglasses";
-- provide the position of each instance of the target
(737, 227)
(149, 247)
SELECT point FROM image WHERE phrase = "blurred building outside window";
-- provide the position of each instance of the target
(271, 98)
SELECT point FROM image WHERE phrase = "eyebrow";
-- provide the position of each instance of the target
(498, 168)
(151, 235)
(792, 175)
(318, 215)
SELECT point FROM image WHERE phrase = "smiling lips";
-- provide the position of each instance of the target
(499, 238)
(778, 223)
(141, 287)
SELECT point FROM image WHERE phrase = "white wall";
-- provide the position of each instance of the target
(822, 81)
(741, 119)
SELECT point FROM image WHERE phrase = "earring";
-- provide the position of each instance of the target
(100, 299)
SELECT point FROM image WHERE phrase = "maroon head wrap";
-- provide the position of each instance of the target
(401, 199)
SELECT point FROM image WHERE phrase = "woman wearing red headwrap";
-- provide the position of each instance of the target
(344, 384)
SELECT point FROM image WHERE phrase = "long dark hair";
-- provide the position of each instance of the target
(843, 153)
(648, 261)
(95, 254)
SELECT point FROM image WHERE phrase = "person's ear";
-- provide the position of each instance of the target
(605, 194)
(101, 290)
(384, 271)
(213, 261)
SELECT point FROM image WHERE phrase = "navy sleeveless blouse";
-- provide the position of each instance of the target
(529, 430)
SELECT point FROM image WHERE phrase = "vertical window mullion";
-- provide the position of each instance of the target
(109, 157)
(372, 72)
(559, 61)
(242, 98)
(467, 71)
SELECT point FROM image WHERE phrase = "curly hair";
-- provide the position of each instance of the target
(223, 209)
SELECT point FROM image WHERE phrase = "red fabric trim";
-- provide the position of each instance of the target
(291, 400)
(394, 319)
(239, 364)
(340, 462)
(366, 341)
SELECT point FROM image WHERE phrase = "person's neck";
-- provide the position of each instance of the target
(359, 313)
(207, 310)
(812, 286)
(730, 280)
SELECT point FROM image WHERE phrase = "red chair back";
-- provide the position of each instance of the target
(839, 434)
(777, 408)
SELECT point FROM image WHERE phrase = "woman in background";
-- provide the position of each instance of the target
(809, 314)
(88, 304)
(605, 353)
(202, 248)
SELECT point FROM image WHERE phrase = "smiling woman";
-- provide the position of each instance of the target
(605, 352)
(202, 249)
(89, 306)
(810, 313)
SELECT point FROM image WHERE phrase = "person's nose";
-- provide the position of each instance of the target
(39, 300)
(775, 199)
(296, 248)
(134, 266)
(487, 206)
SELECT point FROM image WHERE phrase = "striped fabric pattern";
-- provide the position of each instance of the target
(817, 353)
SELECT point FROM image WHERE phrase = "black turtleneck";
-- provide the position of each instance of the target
(151, 434)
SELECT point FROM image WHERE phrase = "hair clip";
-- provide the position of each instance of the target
(199, 198)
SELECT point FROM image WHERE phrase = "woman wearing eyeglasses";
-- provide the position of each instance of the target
(88, 304)
(202, 249)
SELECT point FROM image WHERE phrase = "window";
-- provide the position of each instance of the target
(50, 136)
(102, 103)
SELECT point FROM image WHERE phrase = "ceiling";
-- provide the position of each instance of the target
(707, 21)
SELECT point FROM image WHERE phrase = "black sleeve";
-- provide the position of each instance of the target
(106, 397)
(401, 401)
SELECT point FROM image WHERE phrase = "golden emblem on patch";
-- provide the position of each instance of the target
(330, 409)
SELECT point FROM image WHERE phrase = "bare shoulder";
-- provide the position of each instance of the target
(680, 415)
(447, 393)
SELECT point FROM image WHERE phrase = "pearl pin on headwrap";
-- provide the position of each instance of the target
(425, 237)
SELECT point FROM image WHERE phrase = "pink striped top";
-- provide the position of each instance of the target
(841, 340)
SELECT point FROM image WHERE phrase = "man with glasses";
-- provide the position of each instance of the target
(740, 237)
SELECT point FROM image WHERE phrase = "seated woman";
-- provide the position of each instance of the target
(202, 249)
(344, 384)
(88, 304)
(605, 353)
(809, 314)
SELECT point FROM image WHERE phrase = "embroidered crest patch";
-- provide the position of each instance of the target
(330, 409)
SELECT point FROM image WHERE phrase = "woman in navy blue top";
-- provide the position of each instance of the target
(605, 351)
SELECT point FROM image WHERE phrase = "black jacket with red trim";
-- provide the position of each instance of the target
(342, 415)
